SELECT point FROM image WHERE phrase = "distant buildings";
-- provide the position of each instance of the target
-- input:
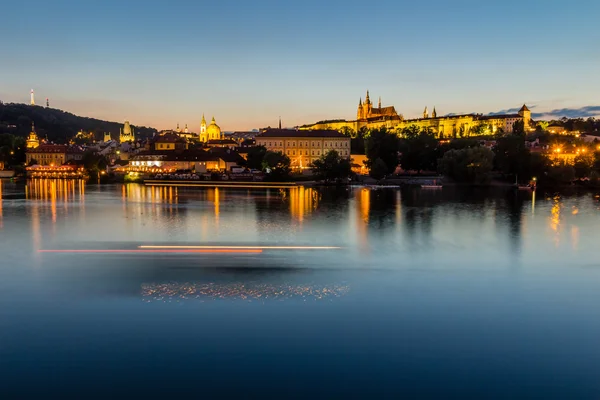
(304, 146)
(53, 154)
(448, 126)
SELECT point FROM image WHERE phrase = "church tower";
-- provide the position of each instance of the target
(203, 137)
(126, 133)
(367, 107)
(425, 113)
(32, 141)
(359, 113)
(434, 113)
(32, 98)
(526, 114)
(107, 137)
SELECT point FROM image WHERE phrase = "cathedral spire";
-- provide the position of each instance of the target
(360, 101)
(367, 98)
(280, 122)
(434, 113)
(379, 102)
(425, 113)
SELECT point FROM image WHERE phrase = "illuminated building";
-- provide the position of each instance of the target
(53, 154)
(169, 142)
(200, 161)
(56, 172)
(210, 132)
(448, 126)
(107, 137)
(126, 134)
(32, 141)
(556, 129)
(304, 146)
(32, 101)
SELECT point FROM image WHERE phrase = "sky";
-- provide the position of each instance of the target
(159, 63)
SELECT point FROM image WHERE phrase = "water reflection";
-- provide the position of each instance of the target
(247, 291)
(53, 190)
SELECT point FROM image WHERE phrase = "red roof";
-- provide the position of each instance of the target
(56, 148)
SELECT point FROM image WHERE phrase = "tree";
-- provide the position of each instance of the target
(384, 145)
(378, 169)
(332, 167)
(471, 165)
(347, 131)
(277, 165)
(513, 157)
(583, 165)
(255, 157)
(93, 162)
(410, 132)
(561, 174)
(519, 128)
(419, 152)
(541, 126)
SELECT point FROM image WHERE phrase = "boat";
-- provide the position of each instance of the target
(431, 186)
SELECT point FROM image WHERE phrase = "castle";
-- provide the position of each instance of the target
(449, 126)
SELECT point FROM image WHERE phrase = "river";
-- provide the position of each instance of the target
(115, 290)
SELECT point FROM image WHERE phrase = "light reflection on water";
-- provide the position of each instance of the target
(478, 291)
(375, 225)
(247, 291)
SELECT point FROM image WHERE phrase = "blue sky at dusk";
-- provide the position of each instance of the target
(247, 63)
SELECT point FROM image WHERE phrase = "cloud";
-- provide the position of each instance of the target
(581, 112)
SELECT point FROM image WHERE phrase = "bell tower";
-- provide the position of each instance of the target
(203, 137)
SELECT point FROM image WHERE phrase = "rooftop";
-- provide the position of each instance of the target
(294, 133)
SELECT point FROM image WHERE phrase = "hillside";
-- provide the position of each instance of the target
(59, 126)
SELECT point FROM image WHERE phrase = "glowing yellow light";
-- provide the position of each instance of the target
(244, 247)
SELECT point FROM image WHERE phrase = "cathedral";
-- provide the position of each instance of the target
(443, 127)
(210, 132)
(366, 110)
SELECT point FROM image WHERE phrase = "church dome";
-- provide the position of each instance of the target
(213, 129)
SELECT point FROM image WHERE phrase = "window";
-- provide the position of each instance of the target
(281, 144)
(294, 152)
(300, 143)
(269, 144)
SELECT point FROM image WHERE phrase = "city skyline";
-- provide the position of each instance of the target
(248, 64)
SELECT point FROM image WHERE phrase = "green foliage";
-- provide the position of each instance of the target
(469, 165)
(561, 174)
(12, 150)
(519, 128)
(384, 145)
(513, 157)
(410, 132)
(583, 165)
(94, 163)
(378, 169)
(255, 157)
(347, 131)
(277, 165)
(331, 167)
(419, 152)
(59, 126)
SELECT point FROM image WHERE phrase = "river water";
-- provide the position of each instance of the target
(297, 292)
